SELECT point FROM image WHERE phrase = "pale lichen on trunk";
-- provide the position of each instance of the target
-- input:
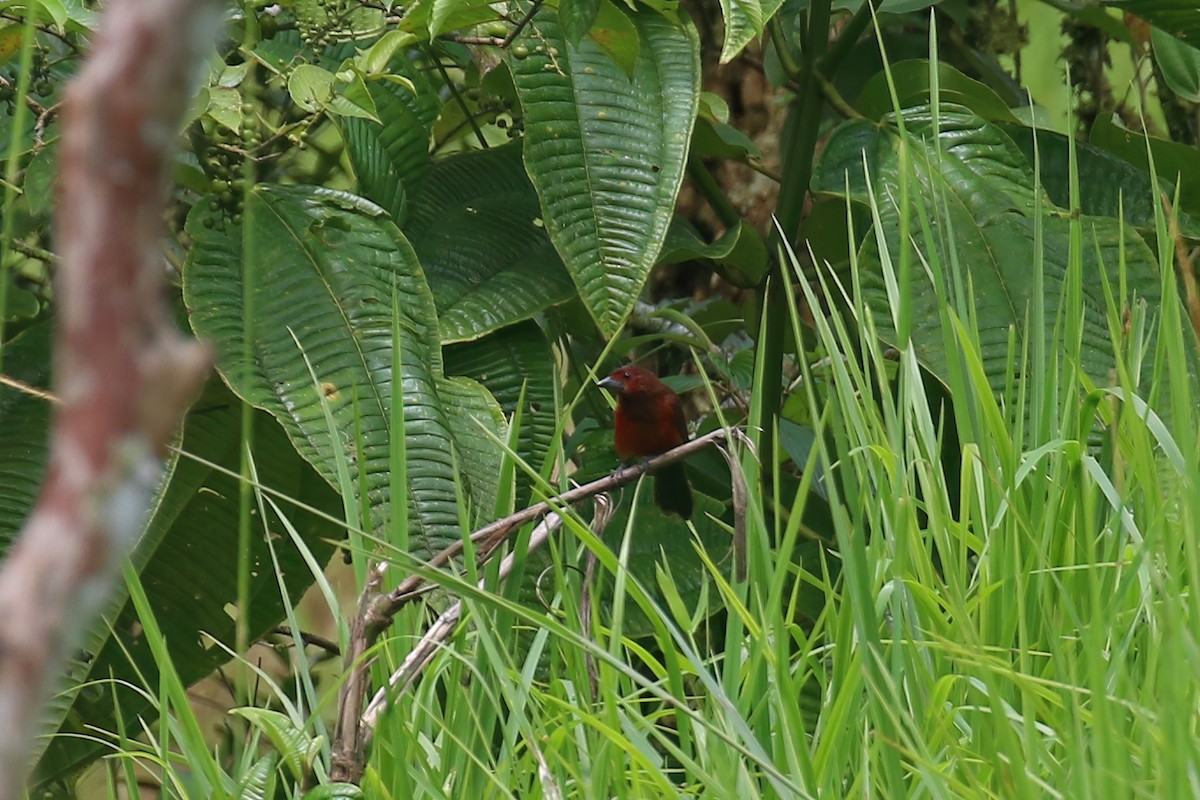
(123, 373)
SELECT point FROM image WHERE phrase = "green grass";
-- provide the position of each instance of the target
(1046, 651)
(1028, 629)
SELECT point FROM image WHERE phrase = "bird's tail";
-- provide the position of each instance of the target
(671, 491)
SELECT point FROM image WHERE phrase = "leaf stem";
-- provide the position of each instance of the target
(712, 191)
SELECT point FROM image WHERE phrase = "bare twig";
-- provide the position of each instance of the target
(440, 631)
(328, 645)
(377, 608)
(740, 502)
(604, 509)
(123, 372)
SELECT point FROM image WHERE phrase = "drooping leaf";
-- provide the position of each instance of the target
(980, 191)
(607, 153)
(739, 254)
(324, 266)
(744, 20)
(911, 79)
(1180, 65)
(477, 229)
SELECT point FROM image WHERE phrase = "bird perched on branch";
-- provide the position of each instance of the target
(649, 421)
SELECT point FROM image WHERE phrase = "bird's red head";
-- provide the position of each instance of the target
(633, 381)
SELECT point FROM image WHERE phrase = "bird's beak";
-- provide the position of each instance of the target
(612, 384)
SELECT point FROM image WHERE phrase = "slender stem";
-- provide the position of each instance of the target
(799, 142)
(12, 164)
(458, 98)
(834, 97)
(828, 64)
(712, 192)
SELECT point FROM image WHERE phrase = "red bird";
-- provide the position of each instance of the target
(650, 421)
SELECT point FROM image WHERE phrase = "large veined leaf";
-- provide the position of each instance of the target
(1178, 163)
(516, 358)
(476, 227)
(982, 188)
(607, 152)
(390, 157)
(325, 265)
(187, 559)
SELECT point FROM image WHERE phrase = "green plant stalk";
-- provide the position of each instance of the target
(20, 113)
(245, 488)
(847, 37)
(712, 192)
(800, 139)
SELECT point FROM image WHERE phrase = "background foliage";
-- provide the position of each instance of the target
(417, 234)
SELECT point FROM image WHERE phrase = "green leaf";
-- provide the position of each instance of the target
(1180, 65)
(24, 426)
(1177, 17)
(616, 35)
(607, 154)
(1108, 185)
(187, 559)
(740, 253)
(335, 791)
(391, 155)
(418, 17)
(325, 264)
(744, 20)
(444, 15)
(505, 362)
(258, 782)
(713, 139)
(477, 230)
(912, 88)
(982, 188)
(311, 87)
(577, 17)
(1178, 163)
(292, 742)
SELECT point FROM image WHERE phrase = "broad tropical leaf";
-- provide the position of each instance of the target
(980, 191)
(516, 358)
(325, 265)
(390, 157)
(606, 152)
(477, 230)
